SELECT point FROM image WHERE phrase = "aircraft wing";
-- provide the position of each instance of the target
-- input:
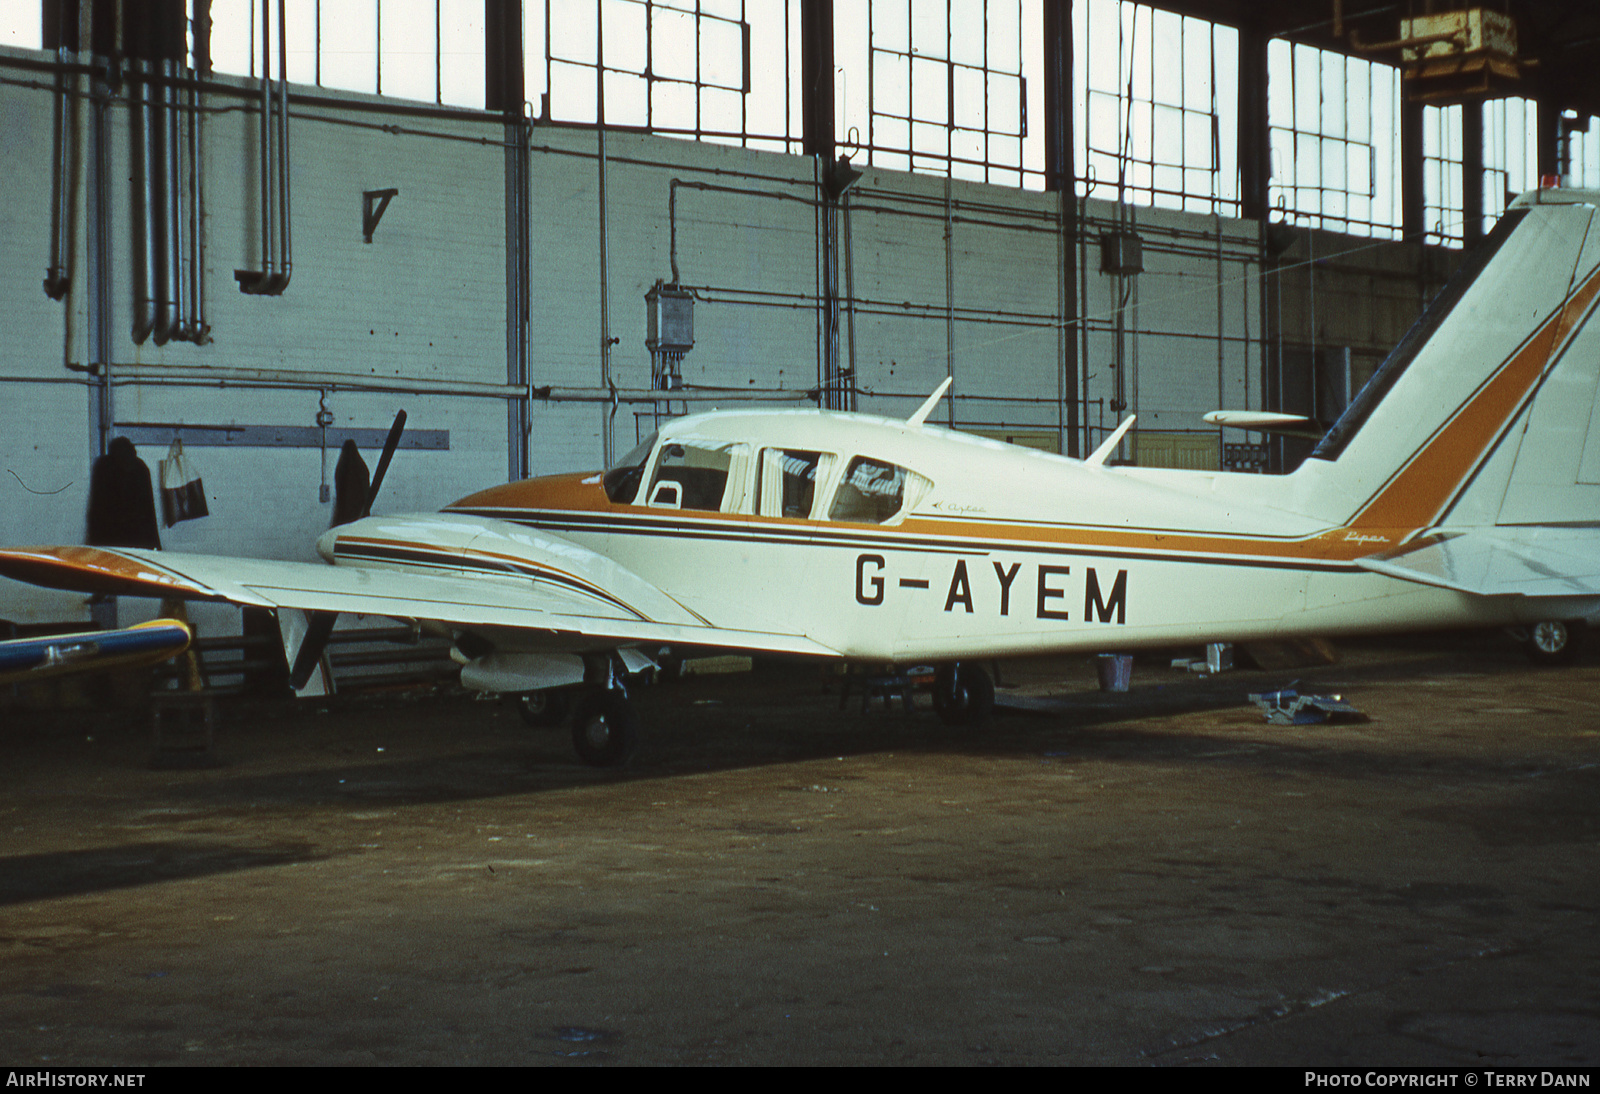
(573, 613)
(1507, 560)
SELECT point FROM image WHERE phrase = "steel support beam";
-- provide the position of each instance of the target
(1255, 161)
(1413, 206)
(816, 78)
(818, 140)
(504, 67)
(1472, 176)
(1060, 143)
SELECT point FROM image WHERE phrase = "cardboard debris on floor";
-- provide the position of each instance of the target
(1290, 708)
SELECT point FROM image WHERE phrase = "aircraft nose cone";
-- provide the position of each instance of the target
(326, 541)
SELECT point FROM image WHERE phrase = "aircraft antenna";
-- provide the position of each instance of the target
(1109, 446)
(933, 400)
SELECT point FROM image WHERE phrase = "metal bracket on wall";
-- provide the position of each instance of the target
(370, 215)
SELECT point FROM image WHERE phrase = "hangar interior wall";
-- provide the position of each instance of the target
(935, 276)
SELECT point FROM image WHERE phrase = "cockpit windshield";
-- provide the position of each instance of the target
(622, 481)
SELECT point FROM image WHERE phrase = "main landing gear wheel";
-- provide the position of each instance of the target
(549, 707)
(606, 729)
(1553, 641)
(963, 694)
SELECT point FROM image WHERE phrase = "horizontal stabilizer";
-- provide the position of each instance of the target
(1521, 560)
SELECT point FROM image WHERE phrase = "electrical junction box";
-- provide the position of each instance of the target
(670, 319)
(1459, 56)
(1121, 253)
(1456, 34)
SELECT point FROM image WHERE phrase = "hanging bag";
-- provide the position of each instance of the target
(183, 497)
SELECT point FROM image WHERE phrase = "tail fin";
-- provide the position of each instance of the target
(1453, 425)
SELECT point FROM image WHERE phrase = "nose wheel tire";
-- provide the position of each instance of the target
(963, 695)
(1553, 641)
(606, 729)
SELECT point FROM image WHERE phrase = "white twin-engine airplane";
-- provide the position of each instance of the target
(1461, 488)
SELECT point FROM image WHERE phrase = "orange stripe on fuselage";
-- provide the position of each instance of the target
(582, 493)
(1333, 545)
(533, 504)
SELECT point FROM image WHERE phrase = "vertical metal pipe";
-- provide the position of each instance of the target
(519, 369)
(269, 263)
(1081, 246)
(147, 249)
(56, 278)
(196, 303)
(949, 298)
(1222, 358)
(833, 387)
(607, 412)
(98, 242)
(98, 216)
(849, 302)
(285, 248)
(169, 226)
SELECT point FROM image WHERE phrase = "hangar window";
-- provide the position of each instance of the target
(1580, 154)
(431, 50)
(1156, 97)
(1510, 153)
(715, 70)
(688, 476)
(23, 32)
(875, 492)
(1581, 151)
(1443, 198)
(1334, 127)
(942, 88)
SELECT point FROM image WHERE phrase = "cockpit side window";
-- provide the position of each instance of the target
(874, 491)
(788, 483)
(690, 477)
(622, 481)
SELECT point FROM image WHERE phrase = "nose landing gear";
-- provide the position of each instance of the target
(963, 694)
(605, 728)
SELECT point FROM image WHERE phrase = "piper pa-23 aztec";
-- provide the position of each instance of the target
(1462, 487)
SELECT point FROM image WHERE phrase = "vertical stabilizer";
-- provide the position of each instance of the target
(1458, 385)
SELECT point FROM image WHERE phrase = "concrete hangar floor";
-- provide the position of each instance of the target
(1151, 879)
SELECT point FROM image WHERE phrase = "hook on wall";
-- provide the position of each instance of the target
(370, 214)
